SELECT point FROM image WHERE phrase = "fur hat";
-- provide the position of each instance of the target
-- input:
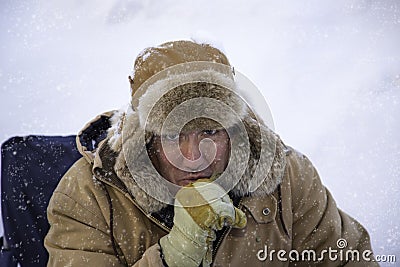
(155, 59)
(197, 78)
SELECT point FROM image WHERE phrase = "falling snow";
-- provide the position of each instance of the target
(330, 72)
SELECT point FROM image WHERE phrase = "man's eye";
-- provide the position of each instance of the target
(172, 137)
(210, 132)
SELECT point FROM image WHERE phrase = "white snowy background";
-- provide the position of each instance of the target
(330, 71)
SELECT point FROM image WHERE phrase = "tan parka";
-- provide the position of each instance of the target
(96, 221)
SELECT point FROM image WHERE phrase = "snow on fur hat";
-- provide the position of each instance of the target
(155, 59)
(196, 78)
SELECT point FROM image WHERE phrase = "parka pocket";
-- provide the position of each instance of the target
(262, 209)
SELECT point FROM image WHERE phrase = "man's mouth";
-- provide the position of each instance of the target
(192, 178)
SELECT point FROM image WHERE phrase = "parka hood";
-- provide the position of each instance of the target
(263, 171)
(101, 142)
(91, 135)
(165, 79)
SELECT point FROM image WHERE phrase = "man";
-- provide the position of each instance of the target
(190, 175)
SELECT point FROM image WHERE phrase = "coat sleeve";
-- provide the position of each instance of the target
(75, 241)
(74, 238)
(79, 233)
(319, 225)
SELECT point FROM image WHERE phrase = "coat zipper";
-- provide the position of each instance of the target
(167, 229)
(221, 239)
(225, 233)
(155, 220)
(126, 194)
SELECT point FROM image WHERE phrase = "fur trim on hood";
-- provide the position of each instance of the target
(264, 168)
(181, 86)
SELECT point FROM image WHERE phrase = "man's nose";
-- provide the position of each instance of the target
(189, 146)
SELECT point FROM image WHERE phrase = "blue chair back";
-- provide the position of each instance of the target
(31, 168)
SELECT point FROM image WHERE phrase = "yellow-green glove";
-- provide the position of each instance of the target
(201, 208)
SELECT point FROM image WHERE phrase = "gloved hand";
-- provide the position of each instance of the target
(201, 208)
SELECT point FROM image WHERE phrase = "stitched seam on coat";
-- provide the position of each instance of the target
(79, 204)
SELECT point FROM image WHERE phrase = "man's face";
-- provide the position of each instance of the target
(187, 157)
